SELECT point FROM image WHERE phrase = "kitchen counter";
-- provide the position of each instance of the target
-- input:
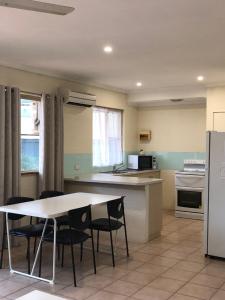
(143, 201)
(112, 179)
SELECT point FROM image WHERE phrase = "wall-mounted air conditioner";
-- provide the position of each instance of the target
(76, 98)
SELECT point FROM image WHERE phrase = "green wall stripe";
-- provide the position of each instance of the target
(166, 161)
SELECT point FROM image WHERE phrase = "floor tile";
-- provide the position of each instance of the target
(214, 270)
(156, 270)
(151, 269)
(194, 290)
(8, 287)
(114, 273)
(178, 274)
(20, 293)
(190, 266)
(220, 295)
(207, 280)
(142, 257)
(96, 281)
(148, 293)
(123, 288)
(138, 278)
(128, 264)
(174, 254)
(183, 297)
(166, 284)
(78, 293)
(164, 261)
(103, 295)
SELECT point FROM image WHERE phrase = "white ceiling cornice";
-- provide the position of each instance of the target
(160, 96)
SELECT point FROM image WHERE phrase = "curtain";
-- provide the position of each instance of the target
(9, 144)
(51, 144)
(107, 137)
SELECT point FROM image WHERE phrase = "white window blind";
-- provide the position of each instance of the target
(107, 137)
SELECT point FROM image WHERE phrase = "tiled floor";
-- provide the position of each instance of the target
(170, 267)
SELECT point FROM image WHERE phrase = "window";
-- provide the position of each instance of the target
(29, 135)
(107, 137)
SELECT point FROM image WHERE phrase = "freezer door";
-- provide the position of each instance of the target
(216, 195)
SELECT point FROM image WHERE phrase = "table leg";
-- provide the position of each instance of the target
(36, 257)
(9, 244)
(54, 251)
(39, 247)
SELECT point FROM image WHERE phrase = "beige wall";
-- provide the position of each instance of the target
(29, 185)
(180, 129)
(174, 129)
(78, 121)
(78, 124)
(78, 128)
(216, 108)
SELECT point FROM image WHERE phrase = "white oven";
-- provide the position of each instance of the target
(189, 195)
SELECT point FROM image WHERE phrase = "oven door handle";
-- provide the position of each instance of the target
(189, 176)
(184, 188)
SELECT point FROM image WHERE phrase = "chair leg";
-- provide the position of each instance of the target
(62, 261)
(40, 260)
(111, 241)
(81, 251)
(73, 263)
(3, 244)
(35, 244)
(125, 231)
(93, 250)
(28, 255)
(98, 241)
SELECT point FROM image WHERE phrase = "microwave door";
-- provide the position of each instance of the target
(145, 162)
(133, 162)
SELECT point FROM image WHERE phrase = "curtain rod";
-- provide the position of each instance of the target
(31, 93)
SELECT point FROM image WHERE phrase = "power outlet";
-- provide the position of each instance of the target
(76, 167)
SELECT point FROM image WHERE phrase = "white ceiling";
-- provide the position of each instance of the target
(163, 43)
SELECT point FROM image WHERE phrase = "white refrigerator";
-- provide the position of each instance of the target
(214, 226)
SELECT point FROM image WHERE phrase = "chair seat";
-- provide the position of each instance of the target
(64, 237)
(33, 230)
(102, 224)
(61, 221)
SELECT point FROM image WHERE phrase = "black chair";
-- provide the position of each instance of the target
(79, 221)
(61, 221)
(27, 231)
(115, 210)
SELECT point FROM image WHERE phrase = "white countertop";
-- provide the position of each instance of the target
(111, 179)
(133, 172)
(57, 206)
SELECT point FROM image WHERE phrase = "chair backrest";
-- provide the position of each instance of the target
(17, 200)
(49, 194)
(80, 218)
(116, 208)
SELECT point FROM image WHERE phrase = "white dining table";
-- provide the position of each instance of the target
(50, 208)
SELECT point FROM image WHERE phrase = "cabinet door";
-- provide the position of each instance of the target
(155, 174)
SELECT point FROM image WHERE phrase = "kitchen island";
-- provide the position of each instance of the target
(143, 201)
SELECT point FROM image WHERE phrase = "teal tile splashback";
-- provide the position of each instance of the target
(85, 163)
(166, 161)
(175, 160)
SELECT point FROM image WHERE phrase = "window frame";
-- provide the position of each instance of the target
(32, 97)
(122, 133)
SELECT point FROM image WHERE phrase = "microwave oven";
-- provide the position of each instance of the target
(140, 162)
